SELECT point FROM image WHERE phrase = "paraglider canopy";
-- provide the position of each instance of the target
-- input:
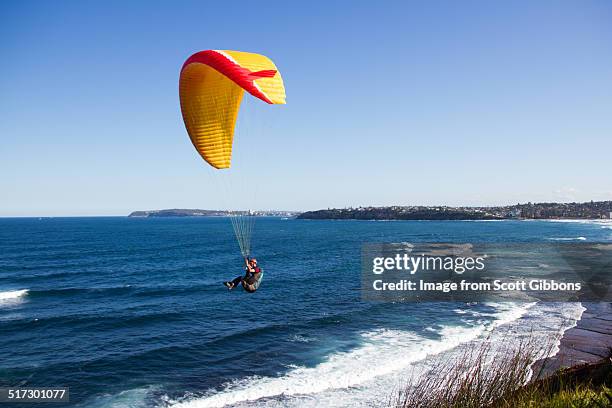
(211, 87)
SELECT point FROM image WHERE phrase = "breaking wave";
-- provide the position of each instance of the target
(12, 297)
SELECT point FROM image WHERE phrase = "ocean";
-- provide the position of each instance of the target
(131, 312)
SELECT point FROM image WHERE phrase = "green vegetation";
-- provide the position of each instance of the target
(577, 396)
(481, 378)
(588, 210)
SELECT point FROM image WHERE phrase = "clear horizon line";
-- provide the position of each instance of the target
(302, 211)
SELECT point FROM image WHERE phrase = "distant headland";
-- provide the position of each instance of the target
(538, 211)
(176, 212)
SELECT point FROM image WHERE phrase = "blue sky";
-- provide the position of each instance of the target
(470, 103)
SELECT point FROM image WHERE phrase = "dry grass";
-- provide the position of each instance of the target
(483, 378)
(479, 378)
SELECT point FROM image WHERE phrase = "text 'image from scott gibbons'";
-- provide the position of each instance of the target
(486, 272)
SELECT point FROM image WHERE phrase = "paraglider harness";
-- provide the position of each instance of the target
(252, 280)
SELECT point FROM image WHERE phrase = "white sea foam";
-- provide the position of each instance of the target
(133, 398)
(300, 339)
(568, 239)
(571, 314)
(383, 352)
(507, 313)
(579, 221)
(603, 223)
(368, 375)
(12, 297)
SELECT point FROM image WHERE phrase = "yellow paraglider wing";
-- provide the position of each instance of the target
(211, 87)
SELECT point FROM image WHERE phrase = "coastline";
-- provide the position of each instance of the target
(587, 343)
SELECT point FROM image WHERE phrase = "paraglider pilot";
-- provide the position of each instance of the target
(250, 281)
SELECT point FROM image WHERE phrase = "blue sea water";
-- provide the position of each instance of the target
(131, 312)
